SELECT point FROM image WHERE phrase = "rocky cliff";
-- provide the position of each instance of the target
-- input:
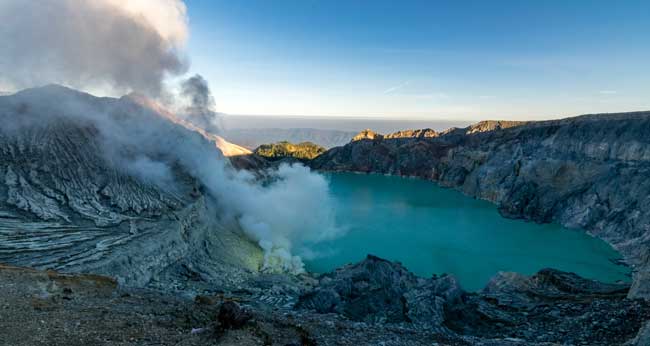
(589, 172)
(80, 192)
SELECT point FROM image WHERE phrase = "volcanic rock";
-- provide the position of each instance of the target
(73, 196)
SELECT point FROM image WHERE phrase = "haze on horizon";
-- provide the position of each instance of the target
(426, 60)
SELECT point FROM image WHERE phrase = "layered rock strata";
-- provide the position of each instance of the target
(75, 198)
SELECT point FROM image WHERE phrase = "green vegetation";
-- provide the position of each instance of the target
(284, 149)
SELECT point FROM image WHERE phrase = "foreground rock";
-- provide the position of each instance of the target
(48, 308)
(374, 302)
(589, 172)
(378, 291)
(549, 307)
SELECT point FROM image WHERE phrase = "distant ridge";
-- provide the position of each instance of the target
(254, 137)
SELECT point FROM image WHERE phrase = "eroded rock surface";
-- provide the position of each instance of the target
(551, 306)
(78, 194)
(376, 290)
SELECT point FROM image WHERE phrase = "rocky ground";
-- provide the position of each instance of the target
(48, 308)
(374, 302)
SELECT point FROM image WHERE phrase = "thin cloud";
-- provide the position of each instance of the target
(429, 96)
(608, 92)
(396, 87)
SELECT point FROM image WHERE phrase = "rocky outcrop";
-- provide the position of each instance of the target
(77, 199)
(589, 172)
(285, 150)
(367, 134)
(376, 290)
(521, 291)
(550, 307)
(424, 133)
(491, 125)
(643, 338)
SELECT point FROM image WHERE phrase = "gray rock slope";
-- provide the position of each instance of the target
(75, 195)
(589, 172)
(378, 291)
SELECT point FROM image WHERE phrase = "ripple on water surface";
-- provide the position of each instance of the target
(433, 230)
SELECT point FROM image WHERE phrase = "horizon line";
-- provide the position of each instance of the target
(393, 118)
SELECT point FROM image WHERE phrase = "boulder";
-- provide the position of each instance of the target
(377, 290)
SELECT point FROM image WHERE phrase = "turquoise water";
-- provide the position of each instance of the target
(432, 230)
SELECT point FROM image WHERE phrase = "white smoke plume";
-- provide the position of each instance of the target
(133, 45)
(102, 45)
(286, 214)
(295, 210)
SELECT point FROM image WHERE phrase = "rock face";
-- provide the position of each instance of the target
(376, 290)
(424, 133)
(643, 338)
(589, 172)
(521, 291)
(548, 308)
(72, 199)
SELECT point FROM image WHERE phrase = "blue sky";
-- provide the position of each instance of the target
(423, 59)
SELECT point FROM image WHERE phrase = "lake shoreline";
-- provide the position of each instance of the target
(431, 225)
